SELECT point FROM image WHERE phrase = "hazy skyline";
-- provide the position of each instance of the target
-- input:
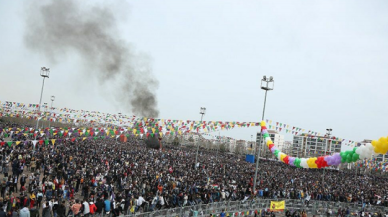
(328, 59)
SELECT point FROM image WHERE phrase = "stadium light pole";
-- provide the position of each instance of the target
(45, 73)
(45, 110)
(202, 111)
(266, 84)
(52, 101)
(252, 144)
(328, 133)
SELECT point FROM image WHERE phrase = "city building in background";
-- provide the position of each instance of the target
(307, 145)
(232, 145)
(287, 148)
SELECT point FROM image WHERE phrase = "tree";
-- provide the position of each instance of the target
(239, 149)
(176, 141)
(152, 142)
(223, 147)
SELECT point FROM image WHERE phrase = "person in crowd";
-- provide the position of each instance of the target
(107, 206)
(61, 210)
(92, 208)
(24, 212)
(100, 206)
(76, 208)
(47, 211)
(86, 210)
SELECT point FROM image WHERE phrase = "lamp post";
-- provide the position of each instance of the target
(328, 133)
(45, 110)
(202, 111)
(252, 144)
(52, 101)
(266, 84)
(45, 73)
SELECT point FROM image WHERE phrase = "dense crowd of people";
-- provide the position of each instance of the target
(105, 176)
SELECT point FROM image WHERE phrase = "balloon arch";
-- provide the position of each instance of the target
(358, 153)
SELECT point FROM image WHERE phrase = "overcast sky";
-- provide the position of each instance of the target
(329, 60)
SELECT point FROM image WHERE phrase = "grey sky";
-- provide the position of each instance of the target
(329, 60)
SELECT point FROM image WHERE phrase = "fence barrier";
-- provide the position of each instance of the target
(318, 208)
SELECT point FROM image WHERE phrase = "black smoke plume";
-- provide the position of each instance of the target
(60, 28)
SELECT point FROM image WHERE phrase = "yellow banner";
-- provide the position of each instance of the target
(277, 205)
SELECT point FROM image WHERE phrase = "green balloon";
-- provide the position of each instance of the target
(355, 157)
(297, 162)
(349, 158)
(276, 153)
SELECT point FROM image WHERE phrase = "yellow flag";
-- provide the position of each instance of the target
(277, 205)
(83, 138)
(53, 141)
(17, 142)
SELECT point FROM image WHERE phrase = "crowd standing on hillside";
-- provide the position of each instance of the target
(105, 176)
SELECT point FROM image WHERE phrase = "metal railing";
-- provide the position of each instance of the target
(318, 208)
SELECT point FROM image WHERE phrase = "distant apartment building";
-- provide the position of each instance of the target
(232, 145)
(307, 145)
(287, 148)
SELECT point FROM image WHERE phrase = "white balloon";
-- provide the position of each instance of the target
(303, 163)
(365, 151)
(359, 150)
(370, 146)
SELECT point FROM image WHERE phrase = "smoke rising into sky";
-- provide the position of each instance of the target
(62, 28)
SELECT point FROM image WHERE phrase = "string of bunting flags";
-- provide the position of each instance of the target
(143, 126)
(62, 115)
(373, 164)
(52, 136)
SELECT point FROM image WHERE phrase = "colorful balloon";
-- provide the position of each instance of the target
(365, 151)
